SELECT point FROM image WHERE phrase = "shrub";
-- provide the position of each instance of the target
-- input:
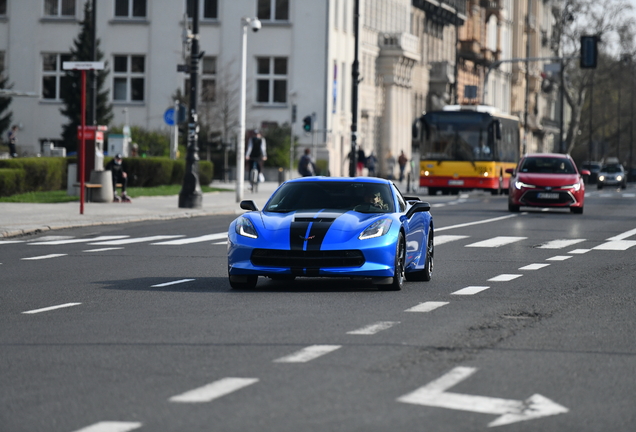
(11, 181)
(41, 174)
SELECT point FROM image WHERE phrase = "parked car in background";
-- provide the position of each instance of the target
(612, 174)
(594, 168)
(546, 180)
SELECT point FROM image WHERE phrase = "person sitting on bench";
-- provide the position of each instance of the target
(119, 176)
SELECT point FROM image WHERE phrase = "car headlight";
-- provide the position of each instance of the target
(520, 184)
(575, 186)
(619, 178)
(376, 229)
(601, 178)
(245, 228)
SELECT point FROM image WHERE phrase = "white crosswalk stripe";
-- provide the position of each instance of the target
(372, 329)
(72, 241)
(307, 354)
(560, 244)
(111, 426)
(441, 239)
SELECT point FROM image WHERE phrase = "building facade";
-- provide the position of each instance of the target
(414, 56)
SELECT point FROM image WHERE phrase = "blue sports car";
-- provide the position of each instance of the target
(333, 227)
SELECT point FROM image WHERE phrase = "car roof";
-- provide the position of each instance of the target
(551, 155)
(340, 180)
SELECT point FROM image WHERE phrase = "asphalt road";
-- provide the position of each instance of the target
(530, 314)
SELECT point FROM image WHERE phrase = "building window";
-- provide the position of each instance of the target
(3, 7)
(273, 10)
(59, 8)
(1, 62)
(208, 79)
(271, 80)
(53, 74)
(130, 8)
(208, 9)
(128, 78)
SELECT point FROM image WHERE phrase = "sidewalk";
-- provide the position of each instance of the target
(18, 218)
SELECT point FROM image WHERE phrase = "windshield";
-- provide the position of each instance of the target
(547, 165)
(612, 169)
(363, 197)
(455, 141)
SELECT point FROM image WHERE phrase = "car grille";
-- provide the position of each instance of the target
(306, 259)
(532, 197)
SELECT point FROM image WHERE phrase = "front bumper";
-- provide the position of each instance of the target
(544, 198)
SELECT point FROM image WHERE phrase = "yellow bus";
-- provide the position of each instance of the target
(466, 148)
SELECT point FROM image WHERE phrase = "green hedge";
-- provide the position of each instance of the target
(12, 181)
(41, 174)
(22, 175)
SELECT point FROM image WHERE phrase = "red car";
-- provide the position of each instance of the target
(546, 180)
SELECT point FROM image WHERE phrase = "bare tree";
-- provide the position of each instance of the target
(608, 19)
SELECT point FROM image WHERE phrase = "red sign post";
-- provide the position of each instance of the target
(83, 67)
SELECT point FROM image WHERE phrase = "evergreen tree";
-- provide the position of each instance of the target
(70, 86)
(5, 101)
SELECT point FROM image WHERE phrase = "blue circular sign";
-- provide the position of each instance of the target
(168, 116)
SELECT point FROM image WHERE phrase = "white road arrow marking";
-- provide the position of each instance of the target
(511, 411)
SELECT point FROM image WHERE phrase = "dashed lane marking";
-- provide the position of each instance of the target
(475, 223)
(533, 266)
(496, 242)
(504, 278)
(50, 308)
(559, 258)
(448, 238)
(10, 241)
(616, 245)
(372, 329)
(426, 306)
(135, 240)
(71, 241)
(307, 354)
(171, 283)
(214, 390)
(103, 249)
(560, 244)
(470, 290)
(111, 426)
(41, 257)
(579, 251)
(209, 237)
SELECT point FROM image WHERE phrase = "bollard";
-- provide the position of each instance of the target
(408, 182)
(281, 176)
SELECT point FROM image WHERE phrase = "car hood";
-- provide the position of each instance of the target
(548, 179)
(313, 229)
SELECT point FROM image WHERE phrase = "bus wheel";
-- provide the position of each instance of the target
(432, 191)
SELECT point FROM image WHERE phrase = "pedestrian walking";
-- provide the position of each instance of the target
(371, 162)
(306, 166)
(402, 160)
(12, 137)
(361, 161)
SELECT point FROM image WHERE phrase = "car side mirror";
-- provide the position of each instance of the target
(418, 207)
(249, 205)
(510, 171)
(586, 172)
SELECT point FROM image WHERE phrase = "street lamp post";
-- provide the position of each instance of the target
(191, 195)
(355, 73)
(255, 25)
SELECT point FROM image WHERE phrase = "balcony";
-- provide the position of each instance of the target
(492, 7)
(449, 12)
(470, 50)
(403, 44)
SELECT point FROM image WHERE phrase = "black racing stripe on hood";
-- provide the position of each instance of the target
(320, 223)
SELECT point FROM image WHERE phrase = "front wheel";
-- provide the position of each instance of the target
(513, 208)
(398, 275)
(576, 210)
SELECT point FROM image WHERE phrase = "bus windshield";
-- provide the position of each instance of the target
(459, 142)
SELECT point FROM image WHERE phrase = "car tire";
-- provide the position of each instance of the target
(427, 272)
(398, 274)
(513, 208)
(576, 210)
(599, 186)
(248, 285)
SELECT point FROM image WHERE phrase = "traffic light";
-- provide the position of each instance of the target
(589, 52)
(307, 124)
